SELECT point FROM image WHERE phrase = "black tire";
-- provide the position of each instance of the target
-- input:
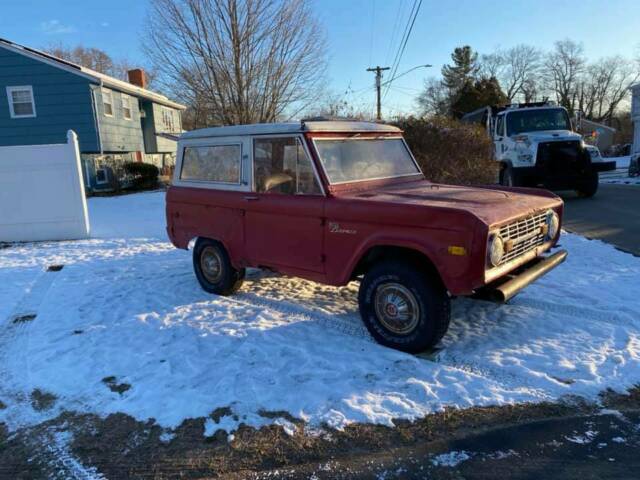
(431, 298)
(225, 280)
(588, 187)
(507, 177)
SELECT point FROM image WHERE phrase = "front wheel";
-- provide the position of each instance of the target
(403, 307)
(507, 177)
(589, 186)
(213, 268)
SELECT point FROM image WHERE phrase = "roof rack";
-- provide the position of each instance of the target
(544, 103)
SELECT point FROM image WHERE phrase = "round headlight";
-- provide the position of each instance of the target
(496, 249)
(553, 224)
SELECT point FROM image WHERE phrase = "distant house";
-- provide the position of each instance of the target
(598, 134)
(116, 121)
(635, 118)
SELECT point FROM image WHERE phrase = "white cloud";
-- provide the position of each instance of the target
(104, 24)
(53, 27)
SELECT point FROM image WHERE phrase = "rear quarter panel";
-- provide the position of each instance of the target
(200, 212)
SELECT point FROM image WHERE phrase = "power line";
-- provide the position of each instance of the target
(404, 33)
(373, 21)
(406, 40)
(396, 24)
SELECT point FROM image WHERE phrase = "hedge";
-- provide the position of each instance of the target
(449, 151)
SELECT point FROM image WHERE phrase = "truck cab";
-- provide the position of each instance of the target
(536, 146)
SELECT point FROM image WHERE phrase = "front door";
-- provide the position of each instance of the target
(499, 137)
(284, 212)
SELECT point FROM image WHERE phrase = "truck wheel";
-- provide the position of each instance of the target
(213, 268)
(507, 178)
(403, 307)
(588, 188)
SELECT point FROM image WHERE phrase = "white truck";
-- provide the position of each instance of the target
(536, 146)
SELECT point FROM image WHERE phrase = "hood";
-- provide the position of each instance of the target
(491, 205)
(552, 135)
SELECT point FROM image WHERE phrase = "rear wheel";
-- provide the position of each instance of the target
(213, 268)
(588, 187)
(403, 307)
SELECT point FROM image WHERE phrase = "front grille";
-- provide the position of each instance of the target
(562, 157)
(523, 235)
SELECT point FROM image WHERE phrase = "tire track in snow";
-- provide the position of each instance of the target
(570, 310)
(339, 323)
(50, 449)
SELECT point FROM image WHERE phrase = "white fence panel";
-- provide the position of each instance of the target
(41, 193)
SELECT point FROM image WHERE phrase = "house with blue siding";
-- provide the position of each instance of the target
(42, 97)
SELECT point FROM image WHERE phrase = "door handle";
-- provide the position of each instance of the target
(251, 198)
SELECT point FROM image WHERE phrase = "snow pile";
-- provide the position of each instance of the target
(621, 174)
(127, 305)
(451, 459)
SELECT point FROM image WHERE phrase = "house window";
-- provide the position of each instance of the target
(126, 106)
(215, 163)
(107, 102)
(102, 176)
(167, 120)
(21, 104)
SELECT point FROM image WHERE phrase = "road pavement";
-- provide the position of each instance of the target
(612, 215)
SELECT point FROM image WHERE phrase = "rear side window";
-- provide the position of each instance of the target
(281, 165)
(214, 163)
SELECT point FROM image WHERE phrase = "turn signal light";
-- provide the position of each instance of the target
(456, 250)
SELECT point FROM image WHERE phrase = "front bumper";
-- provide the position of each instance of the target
(508, 286)
(604, 166)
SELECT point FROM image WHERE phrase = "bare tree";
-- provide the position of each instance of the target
(605, 85)
(92, 58)
(237, 61)
(492, 64)
(516, 68)
(563, 70)
(98, 60)
(436, 98)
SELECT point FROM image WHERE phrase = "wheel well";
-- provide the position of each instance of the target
(389, 252)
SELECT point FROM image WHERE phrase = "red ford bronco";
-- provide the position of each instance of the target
(334, 201)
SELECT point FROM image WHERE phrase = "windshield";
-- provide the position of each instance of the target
(536, 120)
(349, 160)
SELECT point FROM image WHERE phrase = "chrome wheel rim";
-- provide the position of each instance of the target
(211, 264)
(397, 308)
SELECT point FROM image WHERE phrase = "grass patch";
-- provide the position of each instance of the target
(24, 318)
(42, 400)
(114, 386)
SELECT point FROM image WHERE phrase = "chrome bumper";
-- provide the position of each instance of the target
(508, 286)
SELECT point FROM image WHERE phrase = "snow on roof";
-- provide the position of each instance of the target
(337, 126)
(105, 80)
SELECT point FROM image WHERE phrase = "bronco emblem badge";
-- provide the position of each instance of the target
(335, 228)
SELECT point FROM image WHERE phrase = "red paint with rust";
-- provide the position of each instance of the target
(323, 238)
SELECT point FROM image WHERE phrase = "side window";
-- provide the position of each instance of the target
(281, 165)
(500, 126)
(214, 163)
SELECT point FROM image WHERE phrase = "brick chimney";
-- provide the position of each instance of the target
(137, 77)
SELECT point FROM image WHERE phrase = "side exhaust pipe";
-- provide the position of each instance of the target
(507, 290)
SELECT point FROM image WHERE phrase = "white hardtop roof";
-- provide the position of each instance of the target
(329, 126)
(103, 79)
(522, 109)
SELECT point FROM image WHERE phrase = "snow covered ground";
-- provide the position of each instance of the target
(621, 174)
(127, 305)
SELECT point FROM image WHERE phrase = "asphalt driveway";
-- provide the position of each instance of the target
(612, 215)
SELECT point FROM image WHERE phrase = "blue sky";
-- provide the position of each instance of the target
(359, 33)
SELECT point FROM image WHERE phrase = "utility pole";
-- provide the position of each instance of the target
(378, 71)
